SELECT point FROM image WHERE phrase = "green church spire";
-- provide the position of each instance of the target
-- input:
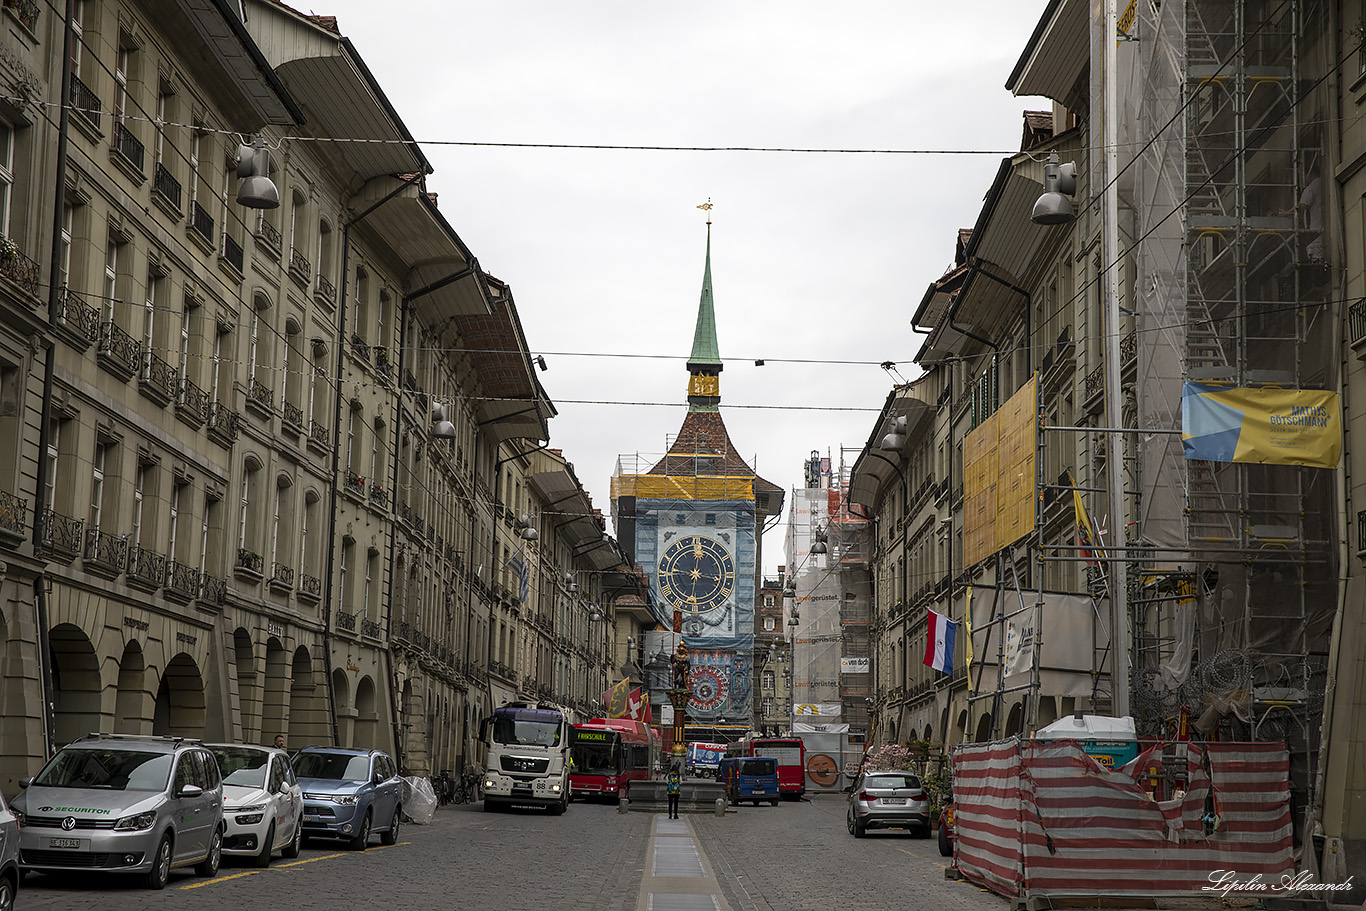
(704, 364)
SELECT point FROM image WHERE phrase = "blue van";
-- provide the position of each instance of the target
(752, 778)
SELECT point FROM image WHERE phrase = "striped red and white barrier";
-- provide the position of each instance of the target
(1041, 818)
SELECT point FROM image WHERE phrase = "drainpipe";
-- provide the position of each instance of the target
(400, 742)
(336, 445)
(40, 605)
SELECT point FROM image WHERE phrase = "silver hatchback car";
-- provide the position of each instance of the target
(888, 800)
(9, 857)
(123, 804)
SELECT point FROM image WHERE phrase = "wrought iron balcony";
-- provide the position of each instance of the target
(119, 348)
(26, 11)
(249, 560)
(160, 376)
(293, 414)
(85, 102)
(346, 621)
(361, 349)
(326, 290)
(232, 252)
(379, 496)
(1095, 381)
(60, 534)
(369, 628)
(224, 422)
(262, 395)
(355, 483)
(282, 576)
(193, 401)
(17, 267)
(311, 586)
(128, 145)
(79, 317)
(269, 235)
(1128, 347)
(319, 434)
(13, 511)
(382, 363)
(164, 182)
(146, 567)
(201, 221)
(299, 267)
(182, 579)
(212, 589)
(104, 550)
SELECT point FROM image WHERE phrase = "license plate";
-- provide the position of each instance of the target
(894, 801)
(63, 842)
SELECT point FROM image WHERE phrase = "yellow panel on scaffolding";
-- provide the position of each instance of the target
(998, 477)
(676, 487)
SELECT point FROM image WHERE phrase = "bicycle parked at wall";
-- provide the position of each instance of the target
(467, 789)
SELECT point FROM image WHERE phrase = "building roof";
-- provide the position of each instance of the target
(706, 353)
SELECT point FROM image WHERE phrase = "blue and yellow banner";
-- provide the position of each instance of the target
(1265, 426)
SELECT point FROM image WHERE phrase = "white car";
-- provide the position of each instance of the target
(262, 803)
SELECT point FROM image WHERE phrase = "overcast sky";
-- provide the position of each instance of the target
(816, 258)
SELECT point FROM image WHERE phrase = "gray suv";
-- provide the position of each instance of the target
(124, 804)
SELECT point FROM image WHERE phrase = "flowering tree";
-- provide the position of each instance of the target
(889, 756)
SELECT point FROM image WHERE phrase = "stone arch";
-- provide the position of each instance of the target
(77, 689)
(275, 708)
(180, 700)
(341, 704)
(1048, 710)
(1014, 720)
(307, 721)
(929, 734)
(960, 728)
(132, 702)
(367, 714)
(248, 685)
(983, 733)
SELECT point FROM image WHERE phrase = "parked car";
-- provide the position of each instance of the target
(123, 803)
(946, 826)
(263, 805)
(752, 778)
(888, 800)
(9, 856)
(349, 794)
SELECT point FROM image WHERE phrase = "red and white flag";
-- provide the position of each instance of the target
(638, 707)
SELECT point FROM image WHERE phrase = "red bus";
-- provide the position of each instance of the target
(790, 753)
(606, 753)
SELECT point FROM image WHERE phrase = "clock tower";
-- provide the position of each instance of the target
(694, 520)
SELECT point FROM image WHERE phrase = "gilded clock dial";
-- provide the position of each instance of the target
(696, 574)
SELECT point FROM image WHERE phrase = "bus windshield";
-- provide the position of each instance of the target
(597, 758)
(527, 728)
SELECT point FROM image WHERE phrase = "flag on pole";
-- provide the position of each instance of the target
(638, 707)
(617, 699)
(1086, 532)
(939, 643)
(519, 569)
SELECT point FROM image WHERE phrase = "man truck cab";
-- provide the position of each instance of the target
(527, 748)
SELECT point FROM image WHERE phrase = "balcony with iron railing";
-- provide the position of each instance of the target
(249, 562)
(325, 291)
(268, 234)
(360, 348)
(282, 576)
(81, 319)
(310, 587)
(213, 590)
(261, 396)
(292, 415)
(159, 379)
(232, 253)
(383, 366)
(104, 551)
(165, 183)
(1095, 382)
(346, 621)
(119, 352)
(18, 267)
(146, 568)
(85, 102)
(26, 11)
(201, 221)
(370, 628)
(319, 435)
(379, 496)
(224, 424)
(133, 152)
(13, 513)
(60, 535)
(299, 267)
(182, 580)
(193, 403)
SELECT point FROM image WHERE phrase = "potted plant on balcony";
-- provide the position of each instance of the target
(9, 253)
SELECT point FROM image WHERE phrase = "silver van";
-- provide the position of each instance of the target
(123, 804)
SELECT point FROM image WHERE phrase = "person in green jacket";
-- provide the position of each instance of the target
(674, 783)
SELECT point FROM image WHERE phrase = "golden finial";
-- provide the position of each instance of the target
(706, 207)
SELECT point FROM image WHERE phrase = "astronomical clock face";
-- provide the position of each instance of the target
(697, 576)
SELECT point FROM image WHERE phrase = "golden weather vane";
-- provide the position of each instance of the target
(706, 207)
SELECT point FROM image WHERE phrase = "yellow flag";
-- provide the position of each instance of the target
(617, 699)
(967, 622)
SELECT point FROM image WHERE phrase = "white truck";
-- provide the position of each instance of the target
(527, 756)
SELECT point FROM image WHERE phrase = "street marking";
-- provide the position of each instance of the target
(296, 863)
(220, 879)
